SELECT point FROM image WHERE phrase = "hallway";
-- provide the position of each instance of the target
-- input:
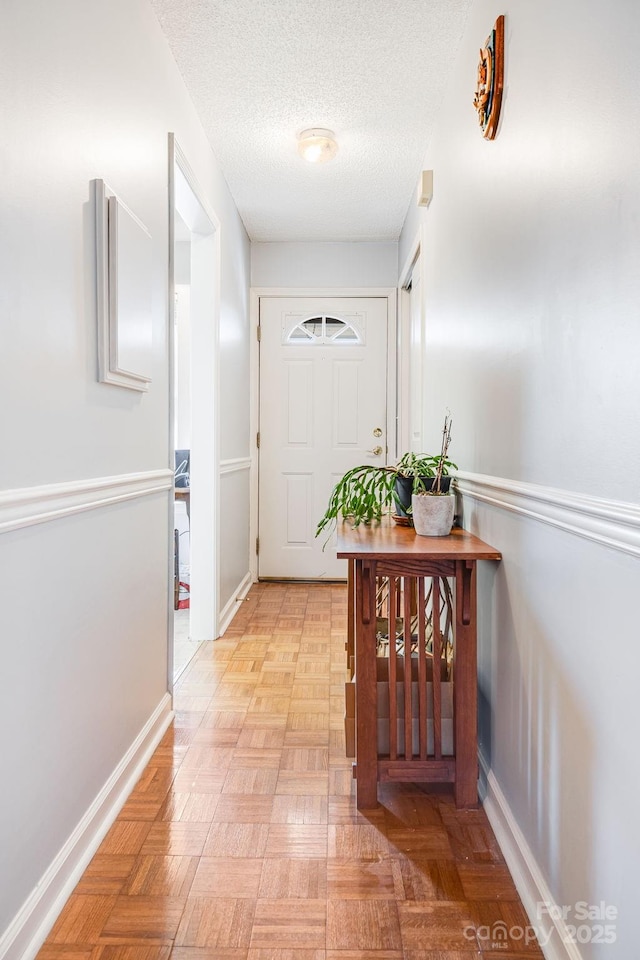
(241, 841)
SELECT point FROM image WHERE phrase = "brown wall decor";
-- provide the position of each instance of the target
(488, 98)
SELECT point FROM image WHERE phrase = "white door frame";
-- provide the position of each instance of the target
(258, 293)
(205, 552)
(403, 343)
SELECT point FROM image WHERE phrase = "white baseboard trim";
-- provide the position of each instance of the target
(29, 928)
(27, 506)
(235, 466)
(611, 523)
(232, 606)
(553, 935)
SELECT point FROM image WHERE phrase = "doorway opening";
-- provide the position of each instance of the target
(194, 324)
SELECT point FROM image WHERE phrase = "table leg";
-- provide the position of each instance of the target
(366, 687)
(351, 625)
(465, 686)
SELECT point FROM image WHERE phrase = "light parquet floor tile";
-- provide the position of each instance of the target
(141, 808)
(278, 925)
(151, 919)
(252, 780)
(426, 880)
(363, 924)
(270, 954)
(229, 719)
(257, 757)
(190, 807)
(305, 759)
(236, 696)
(178, 838)
(342, 809)
(63, 951)
(357, 842)
(306, 738)
(224, 877)
(207, 759)
(208, 953)
(368, 955)
(270, 702)
(281, 654)
(426, 843)
(443, 925)
(161, 876)
(218, 923)
(293, 808)
(106, 875)
(291, 783)
(265, 721)
(236, 840)
(297, 840)
(244, 808)
(215, 736)
(259, 738)
(293, 879)
(125, 837)
(298, 722)
(82, 919)
(131, 951)
(190, 779)
(360, 880)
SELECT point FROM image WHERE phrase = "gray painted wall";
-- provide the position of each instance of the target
(324, 264)
(532, 341)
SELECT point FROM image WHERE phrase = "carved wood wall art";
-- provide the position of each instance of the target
(488, 98)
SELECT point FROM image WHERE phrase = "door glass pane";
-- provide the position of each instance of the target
(319, 330)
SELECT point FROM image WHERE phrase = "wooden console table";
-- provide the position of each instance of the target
(422, 592)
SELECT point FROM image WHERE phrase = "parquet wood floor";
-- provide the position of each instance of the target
(242, 841)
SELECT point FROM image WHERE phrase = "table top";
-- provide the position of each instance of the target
(385, 540)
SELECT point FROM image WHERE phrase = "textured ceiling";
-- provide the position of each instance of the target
(373, 71)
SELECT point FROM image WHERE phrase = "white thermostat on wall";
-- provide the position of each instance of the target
(425, 188)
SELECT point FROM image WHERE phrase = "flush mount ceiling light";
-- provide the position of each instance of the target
(317, 145)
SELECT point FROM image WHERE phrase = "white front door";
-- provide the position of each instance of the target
(323, 410)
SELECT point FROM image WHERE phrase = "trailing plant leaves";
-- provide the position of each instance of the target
(365, 493)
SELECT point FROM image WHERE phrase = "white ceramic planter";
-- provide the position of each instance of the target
(433, 515)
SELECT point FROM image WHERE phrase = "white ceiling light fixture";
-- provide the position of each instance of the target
(317, 145)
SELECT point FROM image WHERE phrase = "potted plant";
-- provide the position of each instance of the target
(367, 492)
(433, 509)
(416, 472)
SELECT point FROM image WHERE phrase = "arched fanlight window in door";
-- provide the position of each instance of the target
(323, 330)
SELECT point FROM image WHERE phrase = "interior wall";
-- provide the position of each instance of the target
(320, 264)
(532, 338)
(234, 529)
(89, 91)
